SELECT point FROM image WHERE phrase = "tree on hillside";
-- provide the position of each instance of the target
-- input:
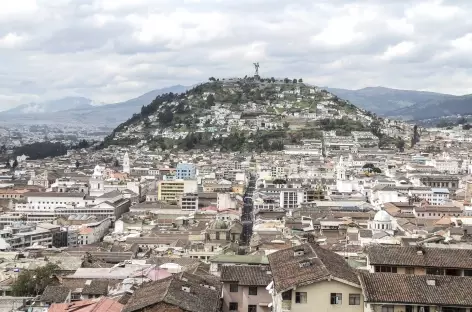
(8, 165)
(400, 144)
(116, 163)
(286, 80)
(294, 80)
(165, 117)
(77, 164)
(461, 121)
(416, 136)
(212, 79)
(15, 164)
(300, 80)
(210, 101)
(272, 79)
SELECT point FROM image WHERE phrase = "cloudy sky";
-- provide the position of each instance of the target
(112, 50)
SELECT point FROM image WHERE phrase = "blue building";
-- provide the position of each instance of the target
(185, 171)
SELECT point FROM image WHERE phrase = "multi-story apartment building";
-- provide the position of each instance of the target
(21, 236)
(185, 171)
(291, 198)
(93, 232)
(168, 190)
(441, 181)
(188, 201)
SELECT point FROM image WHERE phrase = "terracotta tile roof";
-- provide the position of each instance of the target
(424, 257)
(169, 291)
(313, 265)
(414, 289)
(102, 305)
(248, 275)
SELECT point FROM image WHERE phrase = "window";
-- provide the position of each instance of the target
(338, 298)
(251, 308)
(300, 297)
(253, 290)
(434, 271)
(233, 306)
(409, 270)
(385, 269)
(233, 288)
(387, 308)
(354, 299)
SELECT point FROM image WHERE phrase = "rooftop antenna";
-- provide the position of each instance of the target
(256, 66)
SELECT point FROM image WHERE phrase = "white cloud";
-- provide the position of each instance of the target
(398, 50)
(110, 50)
(11, 40)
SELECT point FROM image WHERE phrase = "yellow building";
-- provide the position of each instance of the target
(238, 188)
(170, 190)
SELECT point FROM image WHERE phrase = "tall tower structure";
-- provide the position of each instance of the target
(340, 170)
(96, 182)
(256, 73)
(126, 166)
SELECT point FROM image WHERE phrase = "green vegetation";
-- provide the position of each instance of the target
(33, 282)
(252, 98)
(40, 150)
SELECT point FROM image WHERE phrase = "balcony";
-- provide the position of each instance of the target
(286, 305)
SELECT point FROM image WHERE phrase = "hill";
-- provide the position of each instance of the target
(434, 109)
(71, 110)
(387, 101)
(248, 114)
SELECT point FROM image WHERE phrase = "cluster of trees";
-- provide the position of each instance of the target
(82, 144)
(371, 168)
(344, 124)
(415, 137)
(235, 141)
(166, 116)
(11, 166)
(287, 80)
(40, 150)
(34, 282)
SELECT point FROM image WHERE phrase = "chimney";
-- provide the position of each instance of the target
(298, 252)
(419, 252)
(431, 282)
(186, 289)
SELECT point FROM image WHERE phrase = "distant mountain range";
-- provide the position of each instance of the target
(67, 103)
(81, 110)
(394, 103)
(407, 104)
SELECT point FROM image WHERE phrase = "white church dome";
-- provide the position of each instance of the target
(382, 216)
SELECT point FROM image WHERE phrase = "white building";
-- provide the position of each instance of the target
(126, 165)
(93, 232)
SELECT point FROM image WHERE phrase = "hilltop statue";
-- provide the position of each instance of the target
(256, 66)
